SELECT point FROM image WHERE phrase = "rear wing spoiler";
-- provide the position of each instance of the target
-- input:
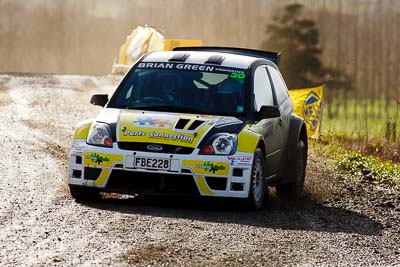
(273, 56)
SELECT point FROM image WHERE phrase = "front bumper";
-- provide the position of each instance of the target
(111, 170)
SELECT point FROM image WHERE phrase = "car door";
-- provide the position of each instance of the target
(284, 102)
(268, 128)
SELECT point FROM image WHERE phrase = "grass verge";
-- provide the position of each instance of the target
(338, 158)
(371, 169)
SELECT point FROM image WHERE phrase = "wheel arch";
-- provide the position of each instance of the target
(261, 145)
(297, 131)
(303, 135)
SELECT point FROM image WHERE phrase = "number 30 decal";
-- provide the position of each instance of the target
(236, 75)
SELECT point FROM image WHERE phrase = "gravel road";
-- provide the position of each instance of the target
(340, 221)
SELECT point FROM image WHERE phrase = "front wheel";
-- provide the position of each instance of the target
(258, 187)
(295, 189)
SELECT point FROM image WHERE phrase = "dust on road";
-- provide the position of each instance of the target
(340, 222)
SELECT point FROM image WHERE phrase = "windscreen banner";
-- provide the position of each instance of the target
(308, 104)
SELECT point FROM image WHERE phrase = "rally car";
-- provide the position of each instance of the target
(202, 121)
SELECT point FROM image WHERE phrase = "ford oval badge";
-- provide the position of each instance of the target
(154, 147)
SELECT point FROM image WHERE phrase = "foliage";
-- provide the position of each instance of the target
(371, 168)
(297, 39)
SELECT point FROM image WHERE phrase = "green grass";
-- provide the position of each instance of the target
(360, 118)
(365, 126)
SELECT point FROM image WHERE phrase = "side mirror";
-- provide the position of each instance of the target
(99, 100)
(267, 112)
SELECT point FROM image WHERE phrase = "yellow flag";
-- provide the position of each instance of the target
(169, 44)
(140, 41)
(308, 104)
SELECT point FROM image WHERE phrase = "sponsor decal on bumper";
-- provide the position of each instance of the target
(200, 167)
(207, 167)
(237, 161)
(100, 159)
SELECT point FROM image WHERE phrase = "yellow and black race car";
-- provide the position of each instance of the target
(205, 121)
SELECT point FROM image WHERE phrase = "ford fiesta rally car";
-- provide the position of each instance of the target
(205, 121)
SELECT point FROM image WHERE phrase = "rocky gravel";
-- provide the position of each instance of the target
(341, 221)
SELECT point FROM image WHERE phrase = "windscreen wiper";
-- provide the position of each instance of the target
(147, 107)
(170, 108)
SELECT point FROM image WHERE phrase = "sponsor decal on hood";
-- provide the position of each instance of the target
(166, 128)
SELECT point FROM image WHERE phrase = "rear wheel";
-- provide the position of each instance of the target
(258, 187)
(80, 193)
(295, 189)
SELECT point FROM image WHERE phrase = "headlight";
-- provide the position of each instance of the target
(100, 135)
(224, 144)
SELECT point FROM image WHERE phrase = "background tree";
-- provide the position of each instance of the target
(298, 40)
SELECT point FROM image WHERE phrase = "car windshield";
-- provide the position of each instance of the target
(182, 87)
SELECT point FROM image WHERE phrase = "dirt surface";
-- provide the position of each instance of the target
(340, 221)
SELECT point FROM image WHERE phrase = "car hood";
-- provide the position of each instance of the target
(180, 129)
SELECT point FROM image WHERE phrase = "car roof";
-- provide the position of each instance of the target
(199, 57)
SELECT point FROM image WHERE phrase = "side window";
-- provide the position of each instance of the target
(279, 85)
(262, 89)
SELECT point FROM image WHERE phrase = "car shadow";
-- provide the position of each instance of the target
(304, 214)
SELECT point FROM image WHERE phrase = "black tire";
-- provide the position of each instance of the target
(258, 188)
(80, 193)
(295, 189)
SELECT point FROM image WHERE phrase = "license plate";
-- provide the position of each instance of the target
(151, 163)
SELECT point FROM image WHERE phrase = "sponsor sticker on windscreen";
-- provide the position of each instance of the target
(234, 73)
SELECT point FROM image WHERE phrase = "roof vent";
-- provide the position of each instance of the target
(215, 59)
(179, 57)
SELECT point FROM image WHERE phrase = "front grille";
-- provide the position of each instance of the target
(216, 183)
(92, 173)
(78, 160)
(151, 183)
(76, 173)
(171, 149)
(237, 172)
